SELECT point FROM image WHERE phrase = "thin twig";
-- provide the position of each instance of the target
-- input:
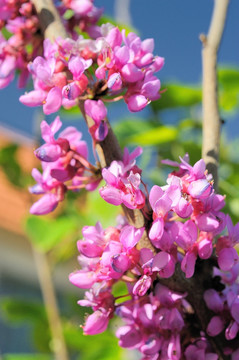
(49, 19)
(48, 293)
(211, 116)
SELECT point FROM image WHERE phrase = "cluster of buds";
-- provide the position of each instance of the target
(187, 223)
(65, 167)
(25, 40)
(113, 64)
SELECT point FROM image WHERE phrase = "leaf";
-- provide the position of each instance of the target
(156, 136)
(27, 357)
(102, 346)
(18, 310)
(10, 165)
(234, 207)
(178, 95)
(98, 209)
(68, 14)
(72, 112)
(229, 78)
(107, 19)
(46, 233)
(6, 34)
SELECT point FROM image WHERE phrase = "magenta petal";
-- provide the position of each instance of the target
(213, 300)
(111, 195)
(83, 279)
(151, 346)
(130, 236)
(129, 336)
(120, 263)
(89, 248)
(155, 193)
(96, 323)
(205, 249)
(157, 229)
(53, 101)
(199, 188)
(137, 102)
(102, 131)
(231, 330)
(45, 205)
(114, 38)
(33, 98)
(227, 258)
(76, 66)
(188, 264)
(215, 326)
(199, 169)
(131, 73)
(160, 261)
(48, 152)
(206, 222)
(142, 285)
(235, 310)
(183, 209)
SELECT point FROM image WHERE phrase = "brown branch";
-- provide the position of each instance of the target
(49, 297)
(109, 150)
(49, 18)
(211, 116)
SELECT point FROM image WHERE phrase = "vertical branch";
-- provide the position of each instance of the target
(49, 18)
(211, 117)
(47, 288)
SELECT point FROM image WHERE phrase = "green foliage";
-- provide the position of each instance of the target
(229, 89)
(143, 133)
(19, 310)
(10, 165)
(27, 357)
(107, 19)
(68, 14)
(177, 95)
(97, 209)
(46, 233)
(155, 136)
(102, 346)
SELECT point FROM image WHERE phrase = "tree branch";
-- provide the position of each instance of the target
(47, 288)
(211, 116)
(50, 21)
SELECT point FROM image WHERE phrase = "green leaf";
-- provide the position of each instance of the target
(156, 136)
(107, 19)
(18, 310)
(98, 209)
(6, 34)
(68, 14)
(229, 78)
(27, 357)
(10, 165)
(178, 95)
(103, 346)
(234, 206)
(46, 233)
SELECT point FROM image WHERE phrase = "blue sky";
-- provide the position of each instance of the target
(175, 25)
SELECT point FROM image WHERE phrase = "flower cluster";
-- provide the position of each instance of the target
(25, 40)
(122, 65)
(106, 255)
(123, 181)
(21, 21)
(153, 324)
(187, 223)
(64, 160)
